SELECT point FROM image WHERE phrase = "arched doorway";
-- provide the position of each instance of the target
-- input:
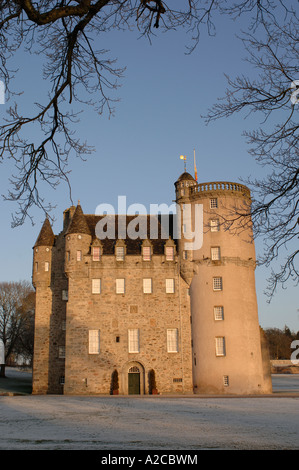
(134, 381)
(131, 384)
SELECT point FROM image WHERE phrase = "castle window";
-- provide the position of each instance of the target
(169, 286)
(133, 341)
(213, 203)
(215, 253)
(185, 254)
(217, 283)
(172, 340)
(225, 380)
(46, 266)
(96, 253)
(120, 253)
(94, 341)
(79, 255)
(218, 313)
(169, 253)
(146, 253)
(68, 255)
(64, 295)
(220, 345)
(36, 267)
(120, 286)
(214, 225)
(147, 286)
(61, 352)
(96, 286)
(61, 380)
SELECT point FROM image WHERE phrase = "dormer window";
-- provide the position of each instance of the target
(96, 253)
(169, 252)
(146, 253)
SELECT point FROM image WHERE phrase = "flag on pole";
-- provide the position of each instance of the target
(195, 169)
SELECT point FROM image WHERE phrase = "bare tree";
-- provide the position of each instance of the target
(16, 313)
(64, 33)
(273, 94)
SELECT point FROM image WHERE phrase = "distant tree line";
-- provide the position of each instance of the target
(17, 301)
(279, 342)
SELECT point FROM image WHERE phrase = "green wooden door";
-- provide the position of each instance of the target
(134, 383)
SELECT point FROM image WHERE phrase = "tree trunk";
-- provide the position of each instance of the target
(2, 370)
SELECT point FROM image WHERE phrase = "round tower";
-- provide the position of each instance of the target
(41, 279)
(227, 353)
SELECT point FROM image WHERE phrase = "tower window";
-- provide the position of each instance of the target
(79, 255)
(218, 313)
(220, 345)
(215, 253)
(213, 203)
(217, 283)
(214, 225)
(46, 266)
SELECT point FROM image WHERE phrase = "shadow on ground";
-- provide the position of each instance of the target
(16, 382)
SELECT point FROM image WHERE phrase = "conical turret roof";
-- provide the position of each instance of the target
(78, 223)
(186, 176)
(46, 236)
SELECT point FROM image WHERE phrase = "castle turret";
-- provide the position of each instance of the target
(41, 279)
(77, 240)
(220, 266)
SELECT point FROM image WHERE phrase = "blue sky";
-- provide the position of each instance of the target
(163, 96)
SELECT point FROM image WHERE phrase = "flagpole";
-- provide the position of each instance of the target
(195, 169)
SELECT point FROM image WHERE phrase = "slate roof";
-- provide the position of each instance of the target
(46, 236)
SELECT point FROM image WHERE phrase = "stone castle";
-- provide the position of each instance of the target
(150, 311)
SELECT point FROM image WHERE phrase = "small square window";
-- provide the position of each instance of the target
(217, 283)
(213, 203)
